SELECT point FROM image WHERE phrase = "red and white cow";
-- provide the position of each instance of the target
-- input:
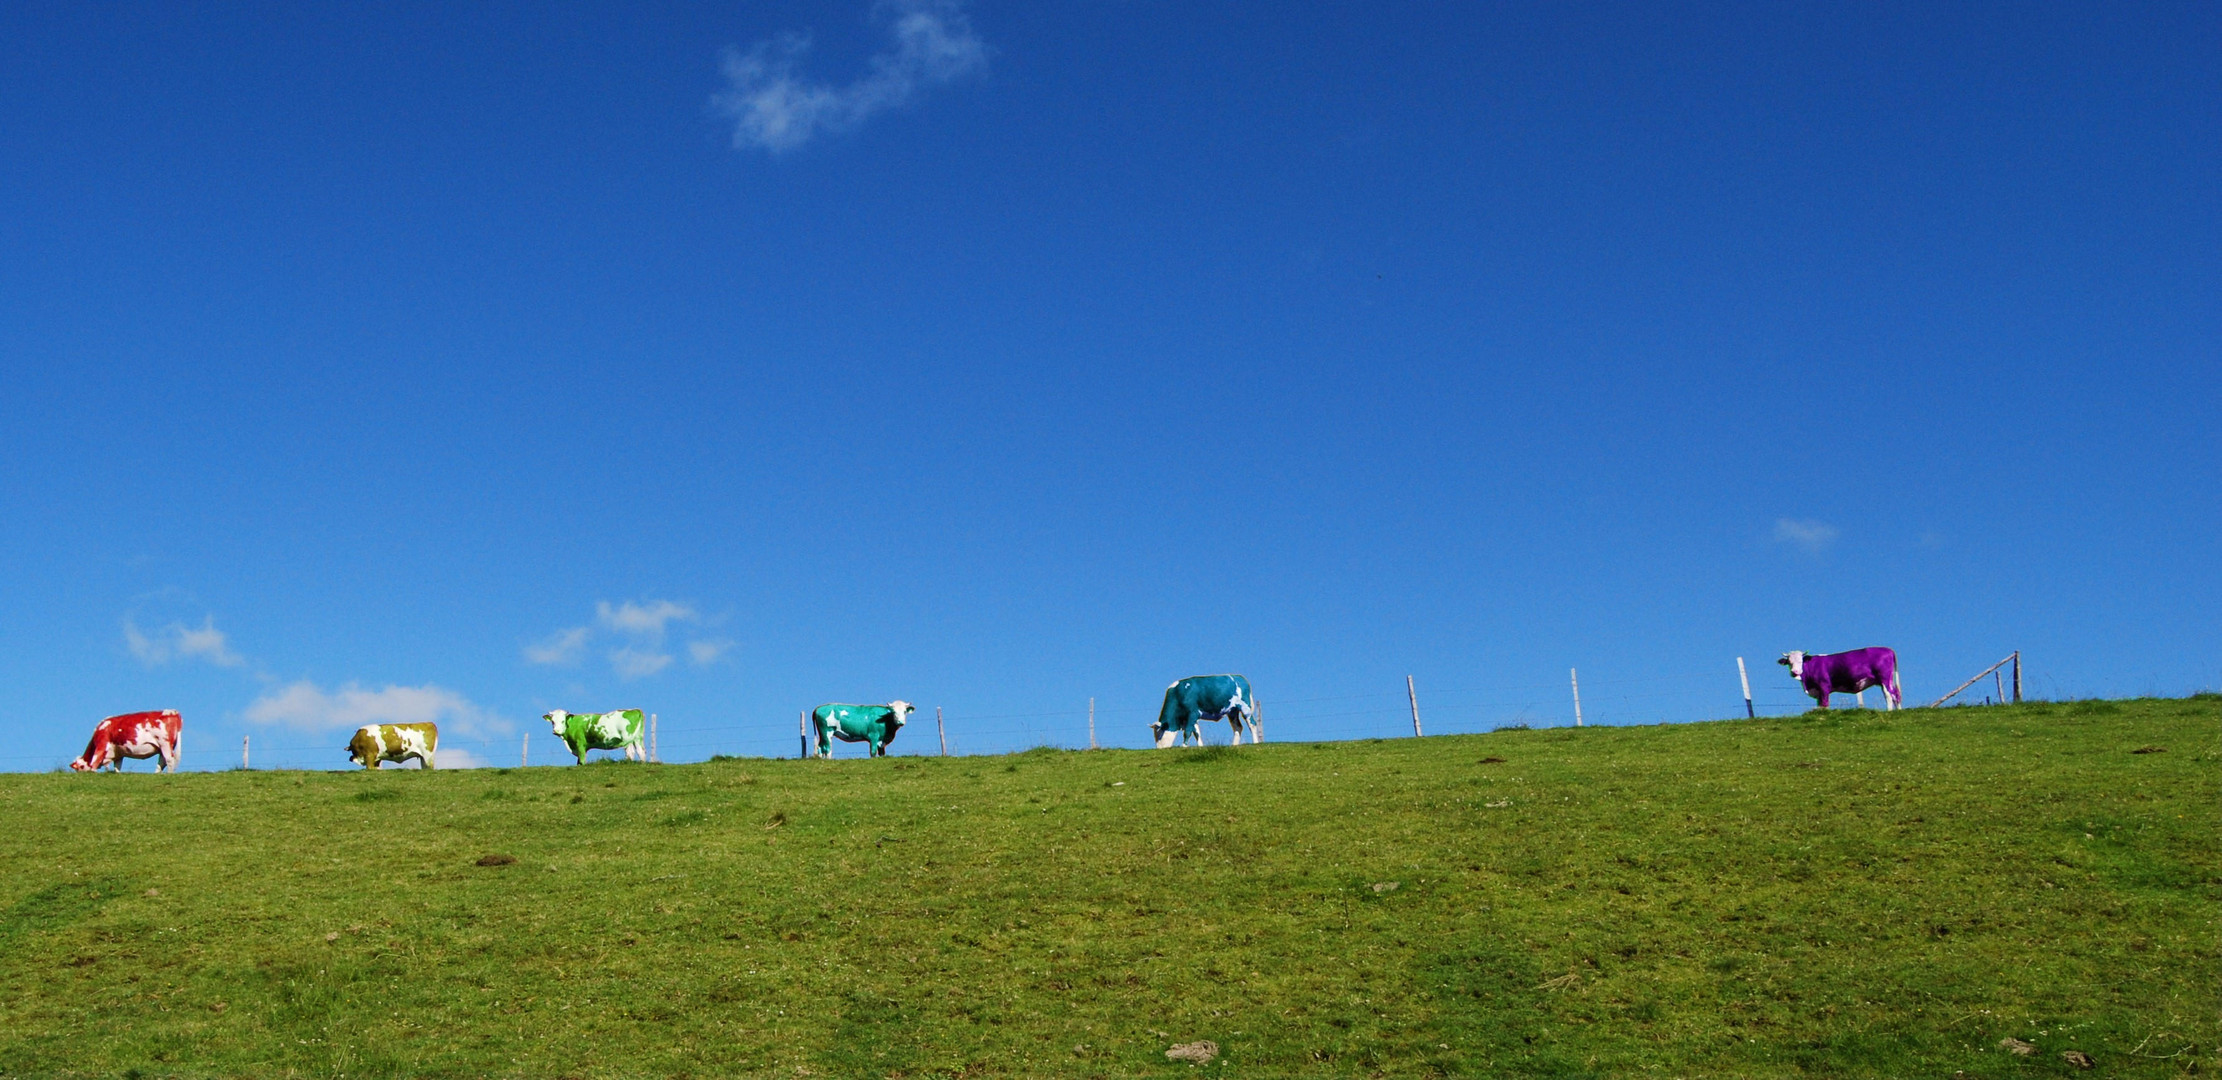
(133, 735)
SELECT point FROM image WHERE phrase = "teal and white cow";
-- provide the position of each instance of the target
(620, 730)
(1198, 698)
(873, 724)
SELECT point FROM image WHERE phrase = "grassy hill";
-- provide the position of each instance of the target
(1846, 894)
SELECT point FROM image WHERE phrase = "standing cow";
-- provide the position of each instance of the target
(620, 730)
(133, 735)
(1845, 673)
(375, 743)
(1193, 700)
(875, 725)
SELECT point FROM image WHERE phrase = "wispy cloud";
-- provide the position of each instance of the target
(563, 647)
(707, 652)
(178, 641)
(639, 627)
(1812, 537)
(646, 619)
(775, 109)
(632, 663)
(308, 707)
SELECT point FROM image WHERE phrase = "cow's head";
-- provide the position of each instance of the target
(359, 749)
(1163, 736)
(898, 711)
(556, 720)
(1795, 661)
(83, 764)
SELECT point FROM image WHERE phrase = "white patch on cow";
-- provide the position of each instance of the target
(1796, 661)
(555, 720)
(413, 744)
(148, 740)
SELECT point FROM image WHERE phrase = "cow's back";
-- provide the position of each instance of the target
(1201, 695)
(851, 719)
(604, 731)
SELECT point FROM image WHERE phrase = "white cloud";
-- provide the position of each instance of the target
(632, 663)
(1812, 536)
(178, 641)
(306, 706)
(565, 647)
(455, 757)
(641, 625)
(707, 652)
(775, 109)
(645, 619)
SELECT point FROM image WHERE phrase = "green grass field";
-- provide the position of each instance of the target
(1849, 894)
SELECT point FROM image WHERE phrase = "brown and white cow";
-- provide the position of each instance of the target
(133, 735)
(375, 743)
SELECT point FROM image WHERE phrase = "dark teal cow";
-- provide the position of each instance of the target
(620, 730)
(873, 724)
(1193, 700)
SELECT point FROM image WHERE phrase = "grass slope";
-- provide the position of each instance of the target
(1844, 894)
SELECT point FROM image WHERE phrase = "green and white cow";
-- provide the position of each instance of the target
(620, 730)
(872, 724)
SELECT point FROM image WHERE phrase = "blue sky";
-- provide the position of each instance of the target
(395, 362)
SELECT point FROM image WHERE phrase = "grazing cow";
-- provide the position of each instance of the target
(1193, 700)
(620, 730)
(872, 724)
(375, 743)
(1845, 673)
(133, 735)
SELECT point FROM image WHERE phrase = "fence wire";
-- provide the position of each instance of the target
(1686, 698)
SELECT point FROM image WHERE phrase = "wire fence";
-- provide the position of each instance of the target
(1684, 698)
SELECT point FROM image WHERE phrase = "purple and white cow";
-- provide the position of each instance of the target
(1845, 673)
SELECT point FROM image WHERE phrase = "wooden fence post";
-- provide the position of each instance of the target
(652, 755)
(1972, 680)
(1745, 677)
(243, 750)
(524, 751)
(938, 726)
(802, 730)
(1575, 677)
(1414, 694)
(1091, 723)
(2017, 676)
